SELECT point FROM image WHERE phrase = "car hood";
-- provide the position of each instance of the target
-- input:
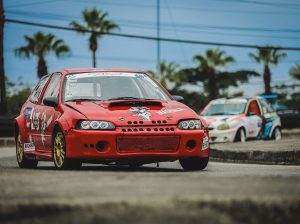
(127, 112)
(213, 121)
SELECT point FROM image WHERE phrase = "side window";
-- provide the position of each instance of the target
(35, 95)
(53, 87)
(267, 108)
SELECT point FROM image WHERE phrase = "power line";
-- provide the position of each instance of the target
(153, 60)
(151, 6)
(146, 26)
(153, 38)
(181, 25)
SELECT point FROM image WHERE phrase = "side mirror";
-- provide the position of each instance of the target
(178, 98)
(251, 114)
(50, 101)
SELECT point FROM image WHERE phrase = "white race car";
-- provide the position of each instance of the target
(238, 119)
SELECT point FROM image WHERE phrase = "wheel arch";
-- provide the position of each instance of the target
(237, 131)
(273, 129)
(19, 126)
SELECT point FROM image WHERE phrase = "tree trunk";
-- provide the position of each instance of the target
(267, 79)
(93, 48)
(42, 69)
(3, 108)
(212, 85)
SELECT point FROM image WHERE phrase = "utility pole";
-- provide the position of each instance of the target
(158, 36)
(2, 77)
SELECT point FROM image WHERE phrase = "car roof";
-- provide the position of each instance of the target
(87, 70)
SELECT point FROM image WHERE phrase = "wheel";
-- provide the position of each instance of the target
(23, 162)
(276, 135)
(59, 153)
(240, 135)
(194, 163)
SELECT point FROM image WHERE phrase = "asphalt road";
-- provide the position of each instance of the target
(222, 193)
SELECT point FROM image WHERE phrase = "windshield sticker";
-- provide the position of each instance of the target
(142, 112)
(102, 74)
(139, 76)
(169, 111)
(28, 147)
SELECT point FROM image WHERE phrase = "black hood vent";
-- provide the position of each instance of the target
(135, 103)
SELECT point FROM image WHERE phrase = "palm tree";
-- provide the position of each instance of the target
(40, 45)
(210, 62)
(295, 71)
(211, 72)
(267, 56)
(97, 24)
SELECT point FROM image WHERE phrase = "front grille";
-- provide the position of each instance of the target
(147, 143)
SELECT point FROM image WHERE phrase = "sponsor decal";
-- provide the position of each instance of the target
(28, 113)
(142, 112)
(35, 121)
(28, 147)
(169, 111)
(44, 125)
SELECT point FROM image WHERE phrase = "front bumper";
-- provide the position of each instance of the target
(157, 143)
(218, 136)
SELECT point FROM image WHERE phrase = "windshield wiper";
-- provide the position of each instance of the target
(126, 98)
(82, 99)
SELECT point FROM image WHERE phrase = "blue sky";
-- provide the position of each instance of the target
(259, 22)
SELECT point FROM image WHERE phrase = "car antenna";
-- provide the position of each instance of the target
(157, 164)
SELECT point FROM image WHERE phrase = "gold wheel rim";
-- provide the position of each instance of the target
(19, 149)
(59, 149)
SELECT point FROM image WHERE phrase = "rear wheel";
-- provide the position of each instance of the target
(23, 162)
(194, 163)
(59, 153)
(240, 135)
(276, 135)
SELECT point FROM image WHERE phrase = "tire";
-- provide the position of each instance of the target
(276, 135)
(194, 163)
(59, 149)
(23, 162)
(240, 136)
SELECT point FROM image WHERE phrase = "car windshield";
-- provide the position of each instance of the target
(104, 86)
(224, 109)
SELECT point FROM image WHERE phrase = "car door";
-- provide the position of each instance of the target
(32, 114)
(49, 114)
(254, 120)
(271, 119)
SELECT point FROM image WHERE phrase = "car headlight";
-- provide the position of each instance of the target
(205, 143)
(224, 126)
(190, 125)
(95, 125)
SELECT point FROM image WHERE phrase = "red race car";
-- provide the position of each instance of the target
(115, 116)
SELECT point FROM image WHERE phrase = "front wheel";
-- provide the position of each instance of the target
(240, 135)
(276, 135)
(59, 153)
(194, 163)
(23, 162)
